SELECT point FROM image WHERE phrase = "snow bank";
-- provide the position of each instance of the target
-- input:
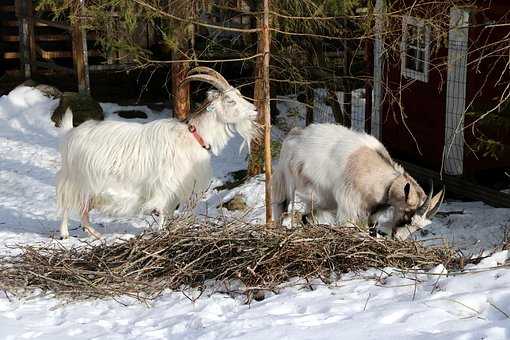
(370, 305)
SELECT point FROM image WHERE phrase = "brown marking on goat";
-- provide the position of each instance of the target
(383, 153)
(370, 176)
(363, 167)
(396, 193)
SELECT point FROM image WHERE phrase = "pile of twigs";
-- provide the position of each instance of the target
(192, 252)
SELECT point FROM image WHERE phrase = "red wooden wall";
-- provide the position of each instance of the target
(422, 105)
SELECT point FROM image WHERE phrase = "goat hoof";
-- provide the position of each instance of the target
(372, 231)
(95, 234)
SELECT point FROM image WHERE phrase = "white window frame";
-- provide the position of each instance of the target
(407, 72)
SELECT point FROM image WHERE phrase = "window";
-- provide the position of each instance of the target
(415, 54)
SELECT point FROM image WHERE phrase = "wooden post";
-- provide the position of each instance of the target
(181, 103)
(262, 101)
(332, 100)
(181, 95)
(31, 37)
(347, 119)
(24, 12)
(264, 106)
(80, 53)
(309, 101)
(347, 56)
(256, 156)
(255, 161)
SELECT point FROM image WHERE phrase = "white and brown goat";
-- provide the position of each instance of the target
(348, 174)
(127, 168)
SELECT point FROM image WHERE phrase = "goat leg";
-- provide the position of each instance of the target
(64, 230)
(85, 223)
(162, 221)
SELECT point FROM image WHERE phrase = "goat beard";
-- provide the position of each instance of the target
(249, 131)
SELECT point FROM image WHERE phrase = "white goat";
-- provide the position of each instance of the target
(126, 168)
(349, 174)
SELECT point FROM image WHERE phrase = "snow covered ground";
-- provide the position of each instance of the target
(371, 305)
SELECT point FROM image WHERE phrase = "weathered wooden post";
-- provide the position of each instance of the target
(180, 67)
(180, 94)
(264, 105)
(24, 11)
(347, 60)
(80, 53)
(262, 101)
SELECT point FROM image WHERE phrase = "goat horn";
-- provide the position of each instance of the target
(435, 203)
(430, 207)
(206, 78)
(427, 210)
(425, 207)
(209, 71)
(422, 210)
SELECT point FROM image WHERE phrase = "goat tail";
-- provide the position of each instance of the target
(279, 194)
(67, 121)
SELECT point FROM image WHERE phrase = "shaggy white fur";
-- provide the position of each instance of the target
(126, 168)
(324, 166)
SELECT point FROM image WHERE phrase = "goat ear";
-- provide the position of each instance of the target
(407, 188)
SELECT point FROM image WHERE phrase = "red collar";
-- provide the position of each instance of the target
(199, 138)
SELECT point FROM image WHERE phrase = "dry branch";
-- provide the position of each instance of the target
(191, 253)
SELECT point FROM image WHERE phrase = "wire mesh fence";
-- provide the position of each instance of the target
(453, 153)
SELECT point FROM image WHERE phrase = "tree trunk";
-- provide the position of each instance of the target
(180, 95)
(183, 38)
(24, 12)
(80, 51)
(255, 164)
(262, 100)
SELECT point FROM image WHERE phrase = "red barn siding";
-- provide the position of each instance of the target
(423, 109)
(484, 81)
(424, 104)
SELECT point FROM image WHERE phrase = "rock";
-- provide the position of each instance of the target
(83, 106)
(130, 114)
(29, 83)
(236, 203)
(258, 295)
(158, 106)
(237, 178)
(49, 91)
